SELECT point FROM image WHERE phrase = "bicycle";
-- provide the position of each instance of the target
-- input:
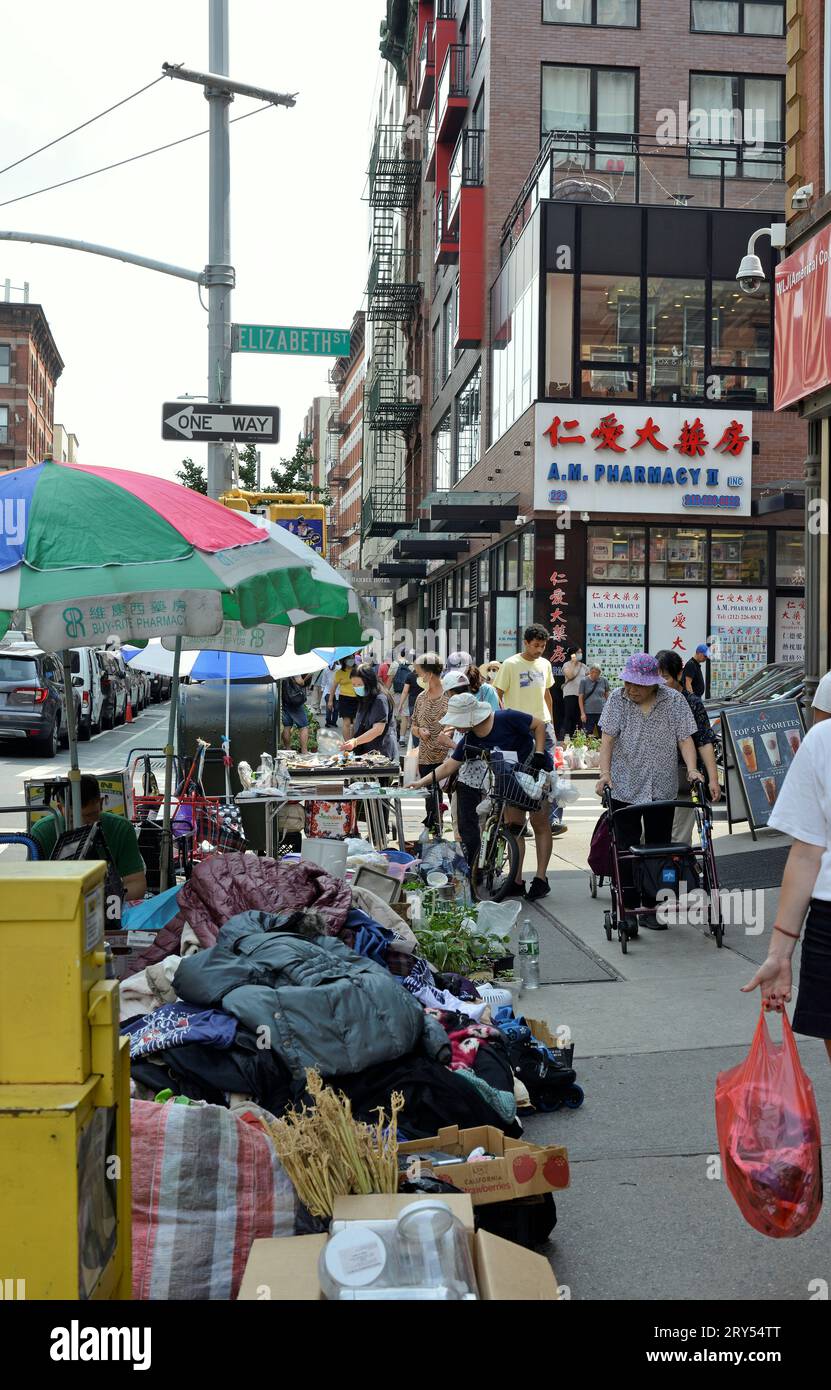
(498, 860)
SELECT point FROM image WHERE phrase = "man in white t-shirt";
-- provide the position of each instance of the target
(524, 681)
(821, 703)
(803, 811)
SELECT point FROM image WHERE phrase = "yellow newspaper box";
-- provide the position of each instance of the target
(64, 1089)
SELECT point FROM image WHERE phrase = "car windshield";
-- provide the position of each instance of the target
(75, 662)
(16, 668)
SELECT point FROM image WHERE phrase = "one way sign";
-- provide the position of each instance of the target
(213, 424)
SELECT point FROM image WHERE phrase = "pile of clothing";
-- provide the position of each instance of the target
(264, 969)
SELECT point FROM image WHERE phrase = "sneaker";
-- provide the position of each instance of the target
(516, 890)
(540, 888)
(651, 923)
(559, 829)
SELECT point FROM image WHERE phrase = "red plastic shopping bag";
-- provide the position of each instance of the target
(768, 1134)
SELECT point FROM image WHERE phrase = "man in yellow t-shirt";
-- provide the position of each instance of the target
(524, 681)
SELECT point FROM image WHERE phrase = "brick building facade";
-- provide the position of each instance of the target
(678, 132)
(344, 478)
(30, 365)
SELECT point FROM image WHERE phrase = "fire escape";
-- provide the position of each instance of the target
(392, 400)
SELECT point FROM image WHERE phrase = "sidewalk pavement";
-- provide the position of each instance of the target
(643, 1218)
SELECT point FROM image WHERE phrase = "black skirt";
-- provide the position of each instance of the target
(812, 1015)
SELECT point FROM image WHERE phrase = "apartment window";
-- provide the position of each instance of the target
(739, 557)
(447, 337)
(599, 101)
(610, 333)
(468, 424)
(476, 29)
(741, 343)
(734, 123)
(442, 460)
(5, 363)
(4, 424)
(758, 17)
(615, 14)
(790, 559)
(438, 377)
(675, 339)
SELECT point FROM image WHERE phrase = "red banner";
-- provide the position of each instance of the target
(802, 338)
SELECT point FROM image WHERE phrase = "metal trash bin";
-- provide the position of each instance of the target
(254, 730)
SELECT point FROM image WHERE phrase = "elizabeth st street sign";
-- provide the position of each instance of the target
(291, 342)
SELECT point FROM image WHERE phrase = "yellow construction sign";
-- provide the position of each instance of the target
(293, 510)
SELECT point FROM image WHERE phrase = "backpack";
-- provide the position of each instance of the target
(294, 694)
(401, 675)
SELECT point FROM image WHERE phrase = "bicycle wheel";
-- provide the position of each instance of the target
(490, 880)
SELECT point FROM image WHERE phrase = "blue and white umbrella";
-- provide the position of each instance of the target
(207, 665)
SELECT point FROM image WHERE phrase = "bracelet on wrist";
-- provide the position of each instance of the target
(793, 935)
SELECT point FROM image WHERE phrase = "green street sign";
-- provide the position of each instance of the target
(293, 342)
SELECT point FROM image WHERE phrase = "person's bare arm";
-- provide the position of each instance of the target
(448, 767)
(607, 744)
(774, 976)
(135, 886)
(686, 747)
(369, 734)
(538, 728)
(688, 685)
(550, 704)
(708, 757)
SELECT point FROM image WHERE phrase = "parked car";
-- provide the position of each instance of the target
(33, 698)
(136, 684)
(114, 686)
(779, 680)
(160, 688)
(85, 665)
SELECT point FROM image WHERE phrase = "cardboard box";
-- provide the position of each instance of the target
(285, 1269)
(521, 1170)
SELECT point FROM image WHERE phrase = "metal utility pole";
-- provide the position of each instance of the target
(219, 273)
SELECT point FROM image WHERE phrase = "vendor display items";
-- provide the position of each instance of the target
(328, 1154)
(423, 1254)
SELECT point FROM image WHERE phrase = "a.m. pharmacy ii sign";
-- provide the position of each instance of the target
(661, 459)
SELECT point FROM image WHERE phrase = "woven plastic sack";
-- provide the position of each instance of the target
(768, 1133)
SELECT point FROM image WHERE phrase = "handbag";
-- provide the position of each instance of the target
(600, 849)
(410, 763)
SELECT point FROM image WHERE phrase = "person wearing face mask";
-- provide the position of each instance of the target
(575, 671)
(374, 730)
(341, 690)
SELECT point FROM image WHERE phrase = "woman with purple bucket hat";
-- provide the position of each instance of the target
(644, 727)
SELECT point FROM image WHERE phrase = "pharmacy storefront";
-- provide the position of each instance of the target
(646, 539)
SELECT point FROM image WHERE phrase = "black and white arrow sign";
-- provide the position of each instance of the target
(209, 424)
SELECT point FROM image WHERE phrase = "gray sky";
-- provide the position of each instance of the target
(130, 338)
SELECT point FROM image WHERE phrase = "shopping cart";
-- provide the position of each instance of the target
(662, 869)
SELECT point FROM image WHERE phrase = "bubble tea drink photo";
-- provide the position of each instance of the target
(770, 789)
(748, 747)
(771, 743)
(794, 737)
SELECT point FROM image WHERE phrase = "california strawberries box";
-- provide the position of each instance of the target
(517, 1169)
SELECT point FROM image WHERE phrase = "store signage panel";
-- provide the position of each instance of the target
(802, 317)
(677, 620)
(650, 459)
(506, 627)
(739, 636)
(615, 626)
(765, 740)
(790, 629)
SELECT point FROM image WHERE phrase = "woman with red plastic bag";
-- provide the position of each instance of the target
(766, 1111)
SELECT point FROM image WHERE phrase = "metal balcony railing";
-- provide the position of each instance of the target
(445, 9)
(394, 166)
(447, 237)
(392, 402)
(467, 166)
(453, 81)
(426, 66)
(430, 135)
(384, 511)
(605, 167)
(393, 289)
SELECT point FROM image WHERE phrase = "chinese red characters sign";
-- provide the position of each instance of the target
(658, 459)
(802, 313)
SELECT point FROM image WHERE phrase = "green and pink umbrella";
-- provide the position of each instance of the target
(99, 552)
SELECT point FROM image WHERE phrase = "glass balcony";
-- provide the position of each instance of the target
(452, 91)
(426, 69)
(430, 142)
(447, 237)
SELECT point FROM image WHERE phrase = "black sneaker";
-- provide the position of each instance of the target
(516, 890)
(540, 888)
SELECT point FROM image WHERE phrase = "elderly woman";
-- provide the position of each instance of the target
(644, 727)
(803, 811)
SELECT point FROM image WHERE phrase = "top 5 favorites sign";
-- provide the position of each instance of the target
(642, 458)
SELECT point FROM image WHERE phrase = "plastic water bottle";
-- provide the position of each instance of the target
(529, 955)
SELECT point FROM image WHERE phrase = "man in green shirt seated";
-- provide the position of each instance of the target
(119, 837)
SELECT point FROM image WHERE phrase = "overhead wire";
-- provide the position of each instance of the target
(84, 124)
(119, 163)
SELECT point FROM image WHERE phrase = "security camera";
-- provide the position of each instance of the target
(802, 197)
(584, 516)
(751, 275)
(520, 520)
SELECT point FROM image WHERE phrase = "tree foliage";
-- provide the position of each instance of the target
(192, 475)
